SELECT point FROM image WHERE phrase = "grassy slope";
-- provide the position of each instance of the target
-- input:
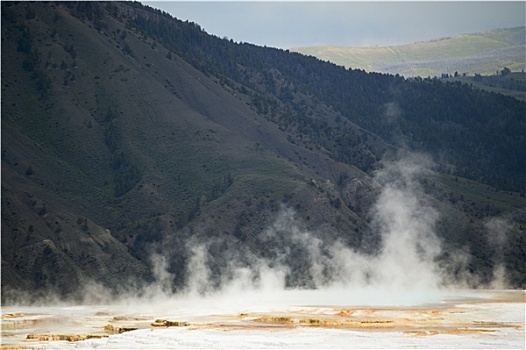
(467, 53)
(495, 83)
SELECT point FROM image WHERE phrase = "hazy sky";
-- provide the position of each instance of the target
(348, 23)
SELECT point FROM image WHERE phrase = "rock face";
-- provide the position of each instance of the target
(166, 323)
(62, 337)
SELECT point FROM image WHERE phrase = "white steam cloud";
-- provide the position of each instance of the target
(406, 222)
(300, 267)
(497, 230)
(199, 273)
(403, 271)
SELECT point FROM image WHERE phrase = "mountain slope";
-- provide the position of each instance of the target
(119, 146)
(480, 53)
(372, 101)
(160, 141)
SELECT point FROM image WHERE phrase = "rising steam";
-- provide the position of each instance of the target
(403, 270)
(301, 267)
(498, 230)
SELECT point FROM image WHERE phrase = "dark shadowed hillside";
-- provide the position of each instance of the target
(128, 134)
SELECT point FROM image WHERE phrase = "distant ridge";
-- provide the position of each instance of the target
(475, 53)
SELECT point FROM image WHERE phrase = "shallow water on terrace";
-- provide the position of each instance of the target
(289, 319)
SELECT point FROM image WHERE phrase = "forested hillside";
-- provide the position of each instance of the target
(367, 99)
(130, 139)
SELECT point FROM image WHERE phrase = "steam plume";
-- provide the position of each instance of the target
(300, 266)
(404, 266)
